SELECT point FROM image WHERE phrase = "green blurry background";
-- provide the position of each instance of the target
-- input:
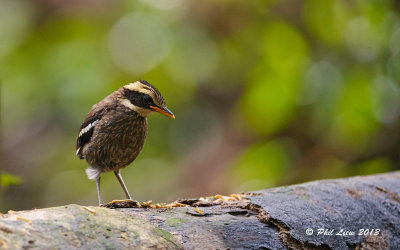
(265, 93)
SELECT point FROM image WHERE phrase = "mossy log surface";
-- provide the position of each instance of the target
(275, 218)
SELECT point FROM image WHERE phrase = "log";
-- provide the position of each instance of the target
(352, 213)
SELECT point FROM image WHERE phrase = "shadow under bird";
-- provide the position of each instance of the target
(114, 131)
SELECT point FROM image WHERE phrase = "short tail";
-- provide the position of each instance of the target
(93, 173)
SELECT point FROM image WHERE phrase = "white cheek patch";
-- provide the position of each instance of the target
(141, 111)
(87, 128)
(128, 104)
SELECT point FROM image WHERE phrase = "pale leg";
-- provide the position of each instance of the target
(98, 189)
(121, 181)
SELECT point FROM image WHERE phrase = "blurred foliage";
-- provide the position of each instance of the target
(7, 180)
(265, 93)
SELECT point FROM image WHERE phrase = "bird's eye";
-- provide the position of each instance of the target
(147, 99)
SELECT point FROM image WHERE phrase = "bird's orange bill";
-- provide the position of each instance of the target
(163, 111)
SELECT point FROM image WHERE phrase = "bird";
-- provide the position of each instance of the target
(114, 131)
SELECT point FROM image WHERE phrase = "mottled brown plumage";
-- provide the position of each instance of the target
(114, 131)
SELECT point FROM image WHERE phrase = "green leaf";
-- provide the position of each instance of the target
(9, 180)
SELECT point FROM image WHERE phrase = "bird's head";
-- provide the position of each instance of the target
(144, 98)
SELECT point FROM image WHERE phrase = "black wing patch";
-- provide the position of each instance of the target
(86, 131)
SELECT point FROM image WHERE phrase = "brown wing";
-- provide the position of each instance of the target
(86, 130)
(91, 120)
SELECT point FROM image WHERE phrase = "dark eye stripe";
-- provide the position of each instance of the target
(154, 90)
(131, 94)
(137, 98)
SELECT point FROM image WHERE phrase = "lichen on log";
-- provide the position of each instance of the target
(74, 226)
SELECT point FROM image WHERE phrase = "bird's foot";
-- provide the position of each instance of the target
(122, 204)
